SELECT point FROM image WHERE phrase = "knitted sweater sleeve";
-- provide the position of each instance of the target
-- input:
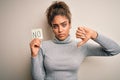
(38, 72)
(106, 47)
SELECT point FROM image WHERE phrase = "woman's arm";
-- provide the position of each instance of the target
(106, 46)
(38, 72)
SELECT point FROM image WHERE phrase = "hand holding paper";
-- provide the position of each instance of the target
(35, 43)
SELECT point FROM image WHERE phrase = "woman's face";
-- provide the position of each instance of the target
(61, 27)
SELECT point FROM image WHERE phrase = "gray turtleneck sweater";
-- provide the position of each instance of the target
(60, 60)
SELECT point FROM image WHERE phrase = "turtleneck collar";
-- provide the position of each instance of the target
(66, 41)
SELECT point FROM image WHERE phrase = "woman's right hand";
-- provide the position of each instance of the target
(35, 46)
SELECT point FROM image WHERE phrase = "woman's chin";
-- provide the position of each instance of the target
(61, 38)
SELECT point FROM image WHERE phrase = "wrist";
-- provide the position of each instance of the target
(33, 54)
(94, 35)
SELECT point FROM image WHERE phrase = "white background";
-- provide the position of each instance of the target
(19, 17)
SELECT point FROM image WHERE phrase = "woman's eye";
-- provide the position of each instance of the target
(54, 26)
(64, 25)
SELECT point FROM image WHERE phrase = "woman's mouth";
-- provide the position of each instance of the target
(61, 35)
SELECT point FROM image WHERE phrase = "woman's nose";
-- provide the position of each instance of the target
(60, 29)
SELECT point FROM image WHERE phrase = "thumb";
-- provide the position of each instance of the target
(81, 43)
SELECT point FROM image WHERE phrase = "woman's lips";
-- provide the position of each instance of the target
(61, 35)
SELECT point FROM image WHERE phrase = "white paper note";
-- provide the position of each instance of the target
(37, 33)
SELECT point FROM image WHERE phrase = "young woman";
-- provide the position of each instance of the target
(60, 58)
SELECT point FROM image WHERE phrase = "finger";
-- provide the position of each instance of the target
(80, 35)
(82, 42)
(35, 42)
(81, 30)
(36, 45)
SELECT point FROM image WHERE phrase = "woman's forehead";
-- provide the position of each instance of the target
(59, 19)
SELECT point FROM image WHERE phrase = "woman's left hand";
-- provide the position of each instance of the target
(85, 34)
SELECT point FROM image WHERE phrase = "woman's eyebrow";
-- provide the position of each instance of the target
(60, 23)
(63, 22)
